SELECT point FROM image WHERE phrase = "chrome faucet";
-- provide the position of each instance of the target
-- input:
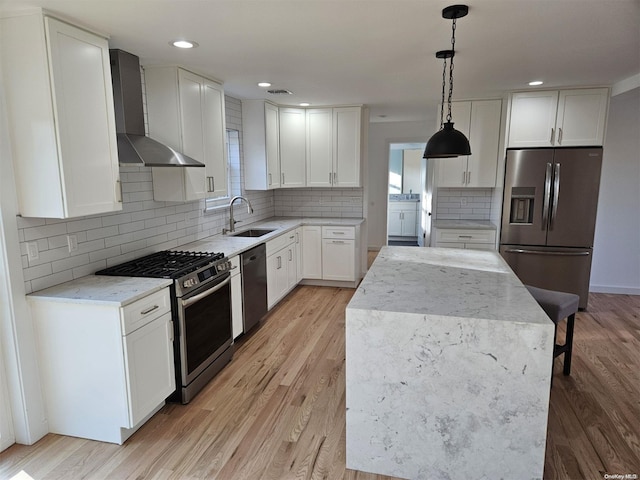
(232, 222)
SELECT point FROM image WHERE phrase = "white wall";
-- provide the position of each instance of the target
(616, 251)
(381, 134)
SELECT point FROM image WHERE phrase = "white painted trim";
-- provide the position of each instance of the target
(17, 336)
(625, 85)
(614, 289)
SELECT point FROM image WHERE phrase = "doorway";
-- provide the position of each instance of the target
(409, 196)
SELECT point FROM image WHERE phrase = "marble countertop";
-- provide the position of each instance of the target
(101, 290)
(121, 291)
(446, 282)
(230, 245)
(465, 224)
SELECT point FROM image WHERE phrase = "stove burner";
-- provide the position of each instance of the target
(166, 264)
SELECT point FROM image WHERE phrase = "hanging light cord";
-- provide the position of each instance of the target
(444, 82)
(453, 53)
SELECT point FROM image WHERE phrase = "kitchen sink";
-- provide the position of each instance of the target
(252, 232)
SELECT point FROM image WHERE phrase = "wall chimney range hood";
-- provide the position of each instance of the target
(134, 148)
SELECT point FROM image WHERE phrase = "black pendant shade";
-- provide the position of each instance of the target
(447, 143)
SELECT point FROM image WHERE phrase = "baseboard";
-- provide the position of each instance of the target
(615, 290)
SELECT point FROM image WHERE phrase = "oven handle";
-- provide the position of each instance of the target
(190, 301)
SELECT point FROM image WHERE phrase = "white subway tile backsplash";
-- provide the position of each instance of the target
(463, 203)
(44, 231)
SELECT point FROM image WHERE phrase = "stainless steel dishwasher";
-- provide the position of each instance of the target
(254, 286)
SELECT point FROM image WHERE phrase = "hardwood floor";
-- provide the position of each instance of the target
(277, 411)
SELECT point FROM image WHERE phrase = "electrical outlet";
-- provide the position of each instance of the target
(72, 243)
(32, 251)
(463, 201)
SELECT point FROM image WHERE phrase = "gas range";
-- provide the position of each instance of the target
(188, 269)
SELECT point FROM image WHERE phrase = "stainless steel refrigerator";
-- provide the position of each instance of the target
(549, 215)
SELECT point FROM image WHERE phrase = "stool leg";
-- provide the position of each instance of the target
(555, 336)
(569, 344)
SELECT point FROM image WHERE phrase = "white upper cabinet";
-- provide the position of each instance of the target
(564, 118)
(334, 137)
(292, 124)
(261, 145)
(186, 111)
(59, 99)
(479, 120)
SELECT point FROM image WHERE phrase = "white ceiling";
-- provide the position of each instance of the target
(374, 52)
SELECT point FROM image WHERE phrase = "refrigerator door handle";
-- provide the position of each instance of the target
(547, 196)
(583, 253)
(556, 194)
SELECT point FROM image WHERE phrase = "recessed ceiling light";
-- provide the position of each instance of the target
(183, 44)
(264, 84)
(305, 104)
(535, 83)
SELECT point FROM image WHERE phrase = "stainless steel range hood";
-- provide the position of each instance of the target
(134, 148)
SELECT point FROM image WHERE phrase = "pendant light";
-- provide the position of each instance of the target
(448, 142)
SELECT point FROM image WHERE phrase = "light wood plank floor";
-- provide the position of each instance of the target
(277, 411)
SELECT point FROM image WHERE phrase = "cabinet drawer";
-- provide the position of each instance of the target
(144, 310)
(280, 242)
(339, 232)
(465, 236)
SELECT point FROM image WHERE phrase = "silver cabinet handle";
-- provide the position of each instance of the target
(335, 178)
(149, 310)
(269, 179)
(118, 191)
(330, 178)
(283, 178)
(539, 252)
(464, 177)
(559, 136)
(556, 194)
(547, 196)
(468, 177)
(279, 262)
(338, 233)
(211, 184)
(552, 132)
(465, 236)
(290, 255)
(338, 242)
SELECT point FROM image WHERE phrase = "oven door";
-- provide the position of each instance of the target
(204, 318)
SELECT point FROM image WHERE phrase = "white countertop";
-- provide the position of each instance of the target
(121, 291)
(448, 282)
(465, 224)
(101, 290)
(230, 245)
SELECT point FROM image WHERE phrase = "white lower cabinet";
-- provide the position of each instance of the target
(475, 239)
(338, 253)
(105, 369)
(237, 312)
(403, 219)
(312, 252)
(282, 269)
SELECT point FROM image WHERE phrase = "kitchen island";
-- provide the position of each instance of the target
(448, 368)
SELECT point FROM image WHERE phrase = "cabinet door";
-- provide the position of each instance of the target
(338, 259)
(191, 94)
(292, 147)
(312, 252)
(272, 140)
(484, 136)
(346, 146)
(298, 245)
(215, 151)
(394, 225)
(409, 222)
(319, 147)
(149, 367)
(581, 117)
(533, 119)
(83, 114)
(277, 277)
(452, 171)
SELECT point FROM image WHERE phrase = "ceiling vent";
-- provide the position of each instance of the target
(279, 91)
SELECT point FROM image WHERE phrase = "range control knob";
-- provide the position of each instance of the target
(189, 282)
